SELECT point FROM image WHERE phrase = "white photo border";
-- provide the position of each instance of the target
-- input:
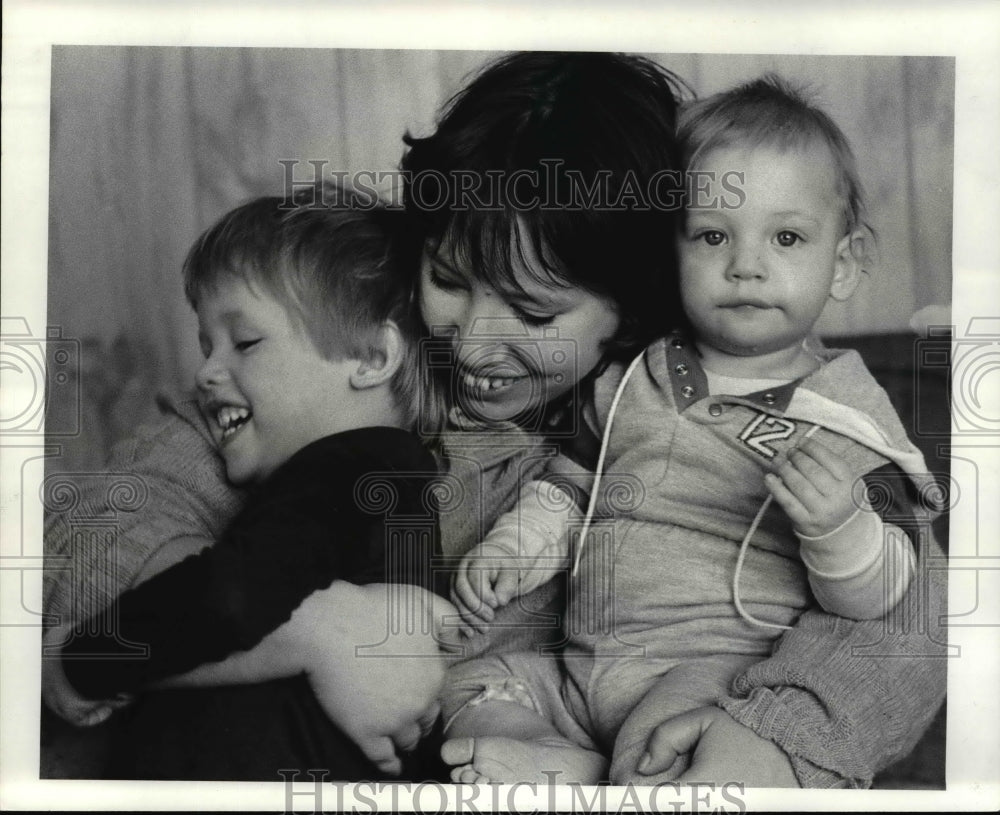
(965, 30)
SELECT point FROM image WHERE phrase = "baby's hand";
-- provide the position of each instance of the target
(814, 487)
(486, 579)
(60, 697)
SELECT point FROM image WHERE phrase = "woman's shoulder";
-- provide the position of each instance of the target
(176, 442)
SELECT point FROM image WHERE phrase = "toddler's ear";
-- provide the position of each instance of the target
(385, 359)
(847, 268)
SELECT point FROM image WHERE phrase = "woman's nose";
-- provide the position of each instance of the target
(489, 316)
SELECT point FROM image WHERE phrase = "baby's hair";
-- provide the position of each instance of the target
(769, 111)
(599, 118)
(330, 259)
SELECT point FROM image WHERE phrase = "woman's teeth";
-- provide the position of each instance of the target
(485, 383)
(231, 418)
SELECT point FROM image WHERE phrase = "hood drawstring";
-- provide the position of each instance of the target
(744, 545)
(606, 436)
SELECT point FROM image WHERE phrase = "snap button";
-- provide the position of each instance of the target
(681, 369)
(769, 398)
(715, 409)
(677, 342)
(687, 391)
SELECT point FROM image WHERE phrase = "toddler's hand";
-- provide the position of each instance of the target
(60, 697)
(373, 663)
(486, 579)
(814, 487)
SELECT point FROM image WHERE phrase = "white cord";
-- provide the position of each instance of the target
(744, 545)
(592, 503)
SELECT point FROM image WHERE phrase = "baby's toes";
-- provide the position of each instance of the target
(467, 774)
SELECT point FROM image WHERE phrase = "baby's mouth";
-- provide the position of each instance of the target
(230, 419)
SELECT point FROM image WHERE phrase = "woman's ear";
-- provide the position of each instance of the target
(847, 268)
(385, 359)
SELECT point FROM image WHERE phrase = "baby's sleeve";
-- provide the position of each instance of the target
(536, 530)
(860, 570)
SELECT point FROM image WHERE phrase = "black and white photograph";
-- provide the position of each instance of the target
(395, 418)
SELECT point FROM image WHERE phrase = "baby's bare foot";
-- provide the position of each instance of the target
(497, 760)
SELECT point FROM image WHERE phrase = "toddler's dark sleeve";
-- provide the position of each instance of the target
(304, 529)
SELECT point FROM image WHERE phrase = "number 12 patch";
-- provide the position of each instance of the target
(763, 429)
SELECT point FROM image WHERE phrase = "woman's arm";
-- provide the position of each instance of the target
(163, 495)
(165, 485)
(844, 699)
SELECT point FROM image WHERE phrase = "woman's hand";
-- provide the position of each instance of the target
(709, 745)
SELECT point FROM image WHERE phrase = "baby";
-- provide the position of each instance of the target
(310, 389)
(746, 446)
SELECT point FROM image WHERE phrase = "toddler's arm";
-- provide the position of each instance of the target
(526, 548)
(377, 680)
(859, 567)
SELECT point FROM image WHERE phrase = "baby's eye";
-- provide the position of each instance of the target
(787, 238)
(712, 237)
(245, 345)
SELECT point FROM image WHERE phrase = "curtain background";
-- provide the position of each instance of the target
(149, 145)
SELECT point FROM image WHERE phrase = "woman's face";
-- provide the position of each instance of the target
(514, 349)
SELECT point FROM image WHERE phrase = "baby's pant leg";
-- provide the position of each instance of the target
(535, 681)
(688, 685)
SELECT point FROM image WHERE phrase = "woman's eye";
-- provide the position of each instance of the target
(786, 238)
(245, 345)
(536, 320)
(444, 283)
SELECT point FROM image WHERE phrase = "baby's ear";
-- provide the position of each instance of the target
(385, 359)
(847, 267)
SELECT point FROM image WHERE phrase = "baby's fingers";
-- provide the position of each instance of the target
(787, 500)
(506, 586)
(825, 459)
(464, 592)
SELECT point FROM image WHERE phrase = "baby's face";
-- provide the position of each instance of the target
(755, 276)
(264, 388)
